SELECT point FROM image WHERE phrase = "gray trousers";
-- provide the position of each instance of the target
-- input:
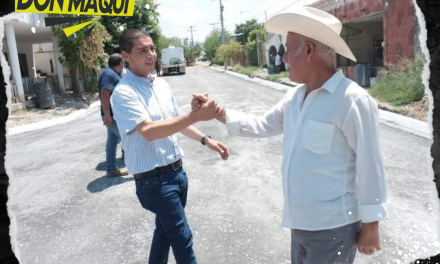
(329, 246)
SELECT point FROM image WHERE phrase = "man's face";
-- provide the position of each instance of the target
(297, 63)
(142, 57)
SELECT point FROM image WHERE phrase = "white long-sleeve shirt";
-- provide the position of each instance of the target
(332, 168)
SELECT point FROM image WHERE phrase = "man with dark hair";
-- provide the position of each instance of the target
(108, 80)
(148, 119)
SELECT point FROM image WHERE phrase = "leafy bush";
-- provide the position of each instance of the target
(402, 84)
(249, 71)
(91, 85)
(218, 59)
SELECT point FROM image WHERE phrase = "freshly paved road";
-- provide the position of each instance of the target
(67, 211)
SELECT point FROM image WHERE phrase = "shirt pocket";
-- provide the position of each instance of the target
(318, 136)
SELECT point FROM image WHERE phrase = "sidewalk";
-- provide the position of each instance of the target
(56, 121)
(410, 125)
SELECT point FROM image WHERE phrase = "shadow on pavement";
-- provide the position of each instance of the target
(102, 165)
(102, 183)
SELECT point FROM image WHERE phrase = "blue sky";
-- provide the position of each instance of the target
(176, 16)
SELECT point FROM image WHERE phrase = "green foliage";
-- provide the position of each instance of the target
(277, 77)
(253, 35)
(212, 43)
(403, 83)
(103, 60)
(231, 50)
(91, 85)
(252, 53)
(249, 71)
(146, 19)
(248, 27)
(218, 59)
(78, 50)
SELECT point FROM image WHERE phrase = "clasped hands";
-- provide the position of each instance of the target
(204, 108)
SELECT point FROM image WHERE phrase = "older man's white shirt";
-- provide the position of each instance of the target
(332, 169)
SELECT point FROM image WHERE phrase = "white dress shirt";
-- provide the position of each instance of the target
(278, 60)
(134, 100)
(332, 168)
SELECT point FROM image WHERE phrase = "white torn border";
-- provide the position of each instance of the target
(6, 74)
(423, 37)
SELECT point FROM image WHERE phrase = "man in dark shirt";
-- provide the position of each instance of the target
(108, 80)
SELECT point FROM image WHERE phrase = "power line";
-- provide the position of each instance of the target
(193, 24)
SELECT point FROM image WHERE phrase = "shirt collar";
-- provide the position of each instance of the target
(131, 75)
(331, 84)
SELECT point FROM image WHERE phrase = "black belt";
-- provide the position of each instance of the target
(171, 167)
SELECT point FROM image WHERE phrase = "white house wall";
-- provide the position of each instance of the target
(42, 60)
(276, 41)
(23, 48)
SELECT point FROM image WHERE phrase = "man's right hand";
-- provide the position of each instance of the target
(107, 120)
(198, 100)
(209, 110)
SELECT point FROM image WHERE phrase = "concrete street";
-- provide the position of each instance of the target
(67, 211)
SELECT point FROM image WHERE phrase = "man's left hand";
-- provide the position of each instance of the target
(219, 147)
(368, 240)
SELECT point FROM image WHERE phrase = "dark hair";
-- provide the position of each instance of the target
(116, 49)
(114, 60)
(126, 41)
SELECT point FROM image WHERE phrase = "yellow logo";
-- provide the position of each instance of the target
(80, 7)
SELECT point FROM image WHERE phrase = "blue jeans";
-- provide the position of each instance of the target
(165, 196)
(113, 139)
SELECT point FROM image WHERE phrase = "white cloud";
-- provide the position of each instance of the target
(189, 3)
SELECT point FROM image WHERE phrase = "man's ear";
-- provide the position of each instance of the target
(310, 50)
(124, 55)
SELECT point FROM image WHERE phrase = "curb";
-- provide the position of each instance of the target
(410, 125)
(53, 122)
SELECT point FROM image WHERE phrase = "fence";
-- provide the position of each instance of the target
(364, 36)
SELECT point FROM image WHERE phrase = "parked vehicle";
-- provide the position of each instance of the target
(173, 60)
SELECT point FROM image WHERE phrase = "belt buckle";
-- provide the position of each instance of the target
(177, 164)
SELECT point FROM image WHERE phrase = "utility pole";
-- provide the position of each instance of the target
(258, 50)
(192, 40)
(221, 18)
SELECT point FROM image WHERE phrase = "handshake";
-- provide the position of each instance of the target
(204, 108)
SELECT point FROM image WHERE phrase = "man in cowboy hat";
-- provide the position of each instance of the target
(332, 170)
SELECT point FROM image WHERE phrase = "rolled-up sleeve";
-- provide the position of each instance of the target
(128, 110)
(361, 127)
(246, 125)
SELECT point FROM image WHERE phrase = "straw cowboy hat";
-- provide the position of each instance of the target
(312, 23)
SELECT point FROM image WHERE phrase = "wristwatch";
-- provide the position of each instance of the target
(203, 139)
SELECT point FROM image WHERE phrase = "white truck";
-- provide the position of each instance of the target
(173, 60)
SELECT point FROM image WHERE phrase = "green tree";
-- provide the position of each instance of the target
(246, 29)
(80, 53)
(143, 18)
(233, 51)
(212, 43)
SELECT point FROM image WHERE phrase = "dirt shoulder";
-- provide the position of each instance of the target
(417, 110)
(64, 105)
